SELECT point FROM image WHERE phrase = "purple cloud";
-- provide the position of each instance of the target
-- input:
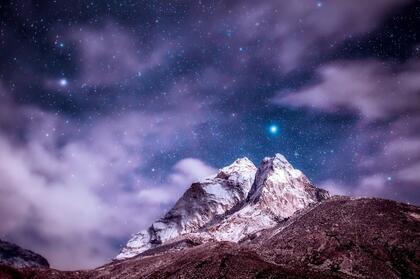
(184, 172)
(75, 188)
(370, 88)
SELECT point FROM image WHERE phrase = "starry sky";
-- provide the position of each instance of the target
(110, 109)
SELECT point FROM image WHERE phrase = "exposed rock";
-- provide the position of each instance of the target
(370, 238)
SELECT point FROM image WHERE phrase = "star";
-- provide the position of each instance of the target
(63, 82)
(273, 129)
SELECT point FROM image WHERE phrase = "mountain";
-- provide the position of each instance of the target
(237, 201)
(340, 237)
(13, 255)
(270, 222)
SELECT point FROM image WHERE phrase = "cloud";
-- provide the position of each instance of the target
(411, 173)
(190, 170)
(384, 142)
(68, 204)
(289, 34)
(184, 173)
(109, 54)
(370, 88)
(371, 186)
(75, 192)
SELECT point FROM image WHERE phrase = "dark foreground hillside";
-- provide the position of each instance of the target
(15, 256)
(337, 238)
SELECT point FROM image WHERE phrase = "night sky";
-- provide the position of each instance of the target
(108, 111)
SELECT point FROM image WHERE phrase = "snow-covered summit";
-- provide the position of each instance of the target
(278, 192)
(281, 188)
(231, 205)
(275, 171)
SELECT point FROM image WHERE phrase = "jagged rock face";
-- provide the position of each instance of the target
(13, 255)
(237, 202)
(278, 191)
(199, 206)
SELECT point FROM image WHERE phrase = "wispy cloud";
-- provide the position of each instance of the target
(372, 89)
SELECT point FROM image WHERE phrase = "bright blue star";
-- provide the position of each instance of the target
(63, 82)
(274, 129)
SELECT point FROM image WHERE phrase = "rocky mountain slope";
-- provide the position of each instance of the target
(371, 238)
(337, 238)
(13, 255)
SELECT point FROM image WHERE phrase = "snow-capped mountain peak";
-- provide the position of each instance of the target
(282, 189)
(278, 191)
(237, 201)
